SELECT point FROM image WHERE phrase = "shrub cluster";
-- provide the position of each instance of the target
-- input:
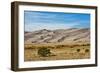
(44, 52)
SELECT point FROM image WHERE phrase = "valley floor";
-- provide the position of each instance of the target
(58, 52)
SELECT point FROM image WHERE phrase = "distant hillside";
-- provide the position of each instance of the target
(57, 36)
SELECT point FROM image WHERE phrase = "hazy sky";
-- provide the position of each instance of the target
(35, 20)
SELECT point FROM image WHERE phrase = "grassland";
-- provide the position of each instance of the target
(58, 51)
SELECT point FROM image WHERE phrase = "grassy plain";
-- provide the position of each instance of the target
(58, 51)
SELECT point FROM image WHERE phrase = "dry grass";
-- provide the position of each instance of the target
(59, 52)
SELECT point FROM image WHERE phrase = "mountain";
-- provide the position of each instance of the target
(58, 36)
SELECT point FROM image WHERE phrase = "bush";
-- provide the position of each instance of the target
(30, 47)
(44, 52)
(78, 50)
(87, 50)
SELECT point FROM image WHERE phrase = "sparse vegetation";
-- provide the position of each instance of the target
(56, 52)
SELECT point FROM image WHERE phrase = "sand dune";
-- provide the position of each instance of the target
(58, 36)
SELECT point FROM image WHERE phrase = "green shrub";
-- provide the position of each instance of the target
(78, 50)
(29, 47)
(44, 52)
(86, 50)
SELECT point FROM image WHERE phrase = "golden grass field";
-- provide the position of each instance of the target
(58, 52)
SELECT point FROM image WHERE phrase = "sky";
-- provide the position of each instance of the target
(37, 20)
